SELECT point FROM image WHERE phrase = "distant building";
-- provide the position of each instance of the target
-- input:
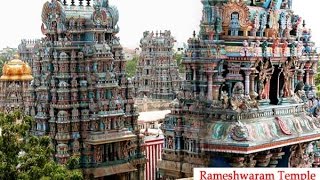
(14, 86)
(180, 48)
(149, 123)
(129, 54)
(151, 119)
(157, 72)
(153, 145)
(8, 53)
(26, 49)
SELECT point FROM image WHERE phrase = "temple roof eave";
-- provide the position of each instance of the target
(259, 134)
(249, 149)
(16, 78)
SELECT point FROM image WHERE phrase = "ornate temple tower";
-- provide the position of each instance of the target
(81, 96)
(26, 49)
(157, 71)
(248, 99)
(14, 86)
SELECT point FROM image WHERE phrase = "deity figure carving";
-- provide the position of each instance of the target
(302, 156)
(239, 132)
(273, 24)
(245, 48)
(170, 142)
(218, 26)
(98, 155)
(299, 48)
(266, 70)
(288, 26)
(256, 24)
(264, 47)
(60, 26)
(234, 24)
(125, 149)
(284, 4)
(207, 14)
(287, 74)
(256, 48)
(263, 23)
(237, 98)
(293, 49)
(275, 46)
(284, 47)
(282, 24)
(300, 95)
(225, 99)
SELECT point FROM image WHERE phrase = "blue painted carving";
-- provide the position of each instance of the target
(282, 24)
(234, 24)
(263, 23)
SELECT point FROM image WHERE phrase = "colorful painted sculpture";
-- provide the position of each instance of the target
(81, 96)
(243, 101)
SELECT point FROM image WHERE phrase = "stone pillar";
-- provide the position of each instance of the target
(194, 79)
(209, 85)
(311, 80)
(215, 93)
(300, 75)
(308, 76)
(245, 33)
(123, 176)
(194, 73)
(252, 77)
(292, 83)
(267, 87)
(247, 82)
(178, 143)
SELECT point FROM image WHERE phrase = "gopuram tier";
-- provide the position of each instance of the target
(26, 49)
(81, 96)
(248, 99)
(157, 74)
(15, 86)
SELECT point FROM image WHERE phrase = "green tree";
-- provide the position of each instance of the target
(178, 58)
(131, 66)
(23, 156)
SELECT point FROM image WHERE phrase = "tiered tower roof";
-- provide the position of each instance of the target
(157, 72)
(16, 70)
(81, 97)
(247, 99)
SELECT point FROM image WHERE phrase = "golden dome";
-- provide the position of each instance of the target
(16, 70)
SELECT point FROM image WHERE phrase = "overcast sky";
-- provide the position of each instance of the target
(22, 19)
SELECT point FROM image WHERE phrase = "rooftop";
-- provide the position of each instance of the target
(152, 116)
(16, 70)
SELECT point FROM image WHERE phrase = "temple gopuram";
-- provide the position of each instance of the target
(248, 99)
(14, 86)
(26, 49)
(157, 74)
(82, 98)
